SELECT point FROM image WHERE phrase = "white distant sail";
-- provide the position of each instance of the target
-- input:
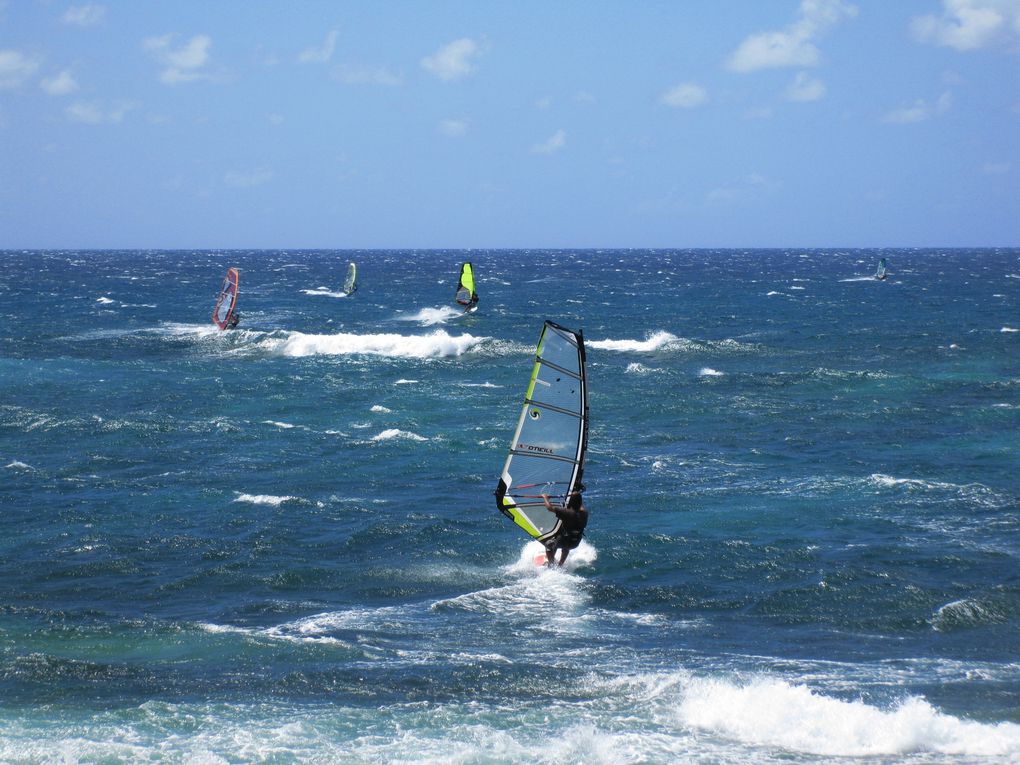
(351, 283)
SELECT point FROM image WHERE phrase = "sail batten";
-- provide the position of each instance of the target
(546, 455)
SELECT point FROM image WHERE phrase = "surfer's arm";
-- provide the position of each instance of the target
(548, 505)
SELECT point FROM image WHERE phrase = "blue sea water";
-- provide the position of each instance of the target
(279, 544)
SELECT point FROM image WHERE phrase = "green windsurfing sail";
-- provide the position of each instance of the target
(351, 283)
(881, 272)
(466, 294)
(548, 448)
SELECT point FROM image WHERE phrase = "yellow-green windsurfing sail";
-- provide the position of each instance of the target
(466, 294)
(548, 448)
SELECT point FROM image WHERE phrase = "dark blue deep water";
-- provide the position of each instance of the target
(279, 543)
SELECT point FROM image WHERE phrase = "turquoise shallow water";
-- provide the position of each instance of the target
(280, 544)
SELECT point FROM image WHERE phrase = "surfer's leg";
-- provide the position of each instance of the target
(563, 555)
(550, 554)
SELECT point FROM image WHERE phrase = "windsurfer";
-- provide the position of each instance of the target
(235, 319)
(574, 517)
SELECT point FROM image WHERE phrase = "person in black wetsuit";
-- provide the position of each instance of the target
(574, 517)
(235, 319)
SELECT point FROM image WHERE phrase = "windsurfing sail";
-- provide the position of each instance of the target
(227, 301)
(466, 294)
(548, 448)
(351, 283)
(881, 272)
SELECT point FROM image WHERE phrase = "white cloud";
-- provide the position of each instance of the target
(249, 178)
(322, 53)
(995, 168)
(684, 96)
(352, 74)
(453, 128)
(15, 68)
(794, 45)
(970, 24)
(751, 185)
(805, 88)
(61, 84)
(453, 61)
(554, 143)
(92, 113)
(86, 15)
(919, 111)
(184, 64)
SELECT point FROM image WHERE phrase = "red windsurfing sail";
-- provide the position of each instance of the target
(225, 303)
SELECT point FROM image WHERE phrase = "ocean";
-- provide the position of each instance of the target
(279, 544)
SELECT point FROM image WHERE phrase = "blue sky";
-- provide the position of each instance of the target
(703, 123)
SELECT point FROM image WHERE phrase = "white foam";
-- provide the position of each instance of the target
(438, 344)
(16, 465)
(583, 555)
(709, 372)
(177, 329)
(1009, 329)
(431, 316)
(392, 433)
(104, 300)
(325, 292)
(283, 425)
(403, 381)
(919, 483)
(775, 713)
(381, 409)
(265, 499)
(655, 342)
(965, 613)
(667, 717)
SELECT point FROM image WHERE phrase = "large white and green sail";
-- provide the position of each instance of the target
(548, 448)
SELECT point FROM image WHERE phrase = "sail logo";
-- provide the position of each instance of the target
(531, 448)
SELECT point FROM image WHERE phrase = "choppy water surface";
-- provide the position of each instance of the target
(280, 544)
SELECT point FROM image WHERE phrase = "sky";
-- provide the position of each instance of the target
(187, 124)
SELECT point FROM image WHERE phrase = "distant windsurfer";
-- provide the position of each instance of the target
(235, 319)
(574, 517)
(473, 304)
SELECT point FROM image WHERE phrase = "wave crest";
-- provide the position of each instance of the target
(438, 344)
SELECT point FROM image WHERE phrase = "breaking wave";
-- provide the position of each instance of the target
(431, 316)
(438, 344)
